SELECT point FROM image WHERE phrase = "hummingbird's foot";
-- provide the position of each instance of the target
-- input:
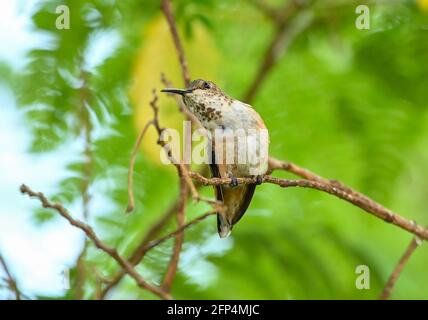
(234, 182)
(259, 180)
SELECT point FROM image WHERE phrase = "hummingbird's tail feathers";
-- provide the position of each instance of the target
(236, 201)
(247, 195)
(224, 228)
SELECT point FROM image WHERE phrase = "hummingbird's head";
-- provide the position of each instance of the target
(206, 101)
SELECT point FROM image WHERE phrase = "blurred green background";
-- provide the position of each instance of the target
(346, 103)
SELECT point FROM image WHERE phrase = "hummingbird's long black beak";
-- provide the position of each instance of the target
(177, 91)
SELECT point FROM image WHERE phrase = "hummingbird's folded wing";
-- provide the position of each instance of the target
(236, 199)
(215, 173)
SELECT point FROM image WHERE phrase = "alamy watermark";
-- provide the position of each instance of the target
(62, 22)
(362, 282)
(363, 19)
(245, 148)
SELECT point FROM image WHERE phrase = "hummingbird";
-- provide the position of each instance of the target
(222, 116)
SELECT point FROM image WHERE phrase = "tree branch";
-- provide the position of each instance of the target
(275, 164)
(166, 8)
(10, 279)
(81, 272)
(150, 245)
(140, 250)
(179, 238)
(186, 184)
(112, 252)
(370, 205)
(354, 198)
(86, 129)
(131, 200)
(399, 268)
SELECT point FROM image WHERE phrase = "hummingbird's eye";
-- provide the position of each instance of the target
(207, 85)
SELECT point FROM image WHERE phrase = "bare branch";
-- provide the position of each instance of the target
(86, 128)
(354, 198)
(179, 238)
(157, 242)
(140, 250)
(131, 200)
(186, 184)
(166, 8)
(181, 168)
(81, 272)
(148, 244)
(370, 205)
(275, 164)
(399, 268)
(112, 252)
(10, 279)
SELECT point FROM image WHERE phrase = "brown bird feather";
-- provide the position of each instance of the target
(236, 199)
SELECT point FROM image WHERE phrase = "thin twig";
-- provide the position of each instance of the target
(275, 164)
(81, 272)
(140, 250)
(100, 279)
(11, 282)
(157, 242)
(112, 252)
(166, 8)
(354, 198)
(179, 238)
(186, 185)
(182, 170)
(131, 200)
(84, 96)
(149, 243)
(86, 128)
(399, 268)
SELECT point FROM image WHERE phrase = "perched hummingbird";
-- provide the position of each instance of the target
(217, 112)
